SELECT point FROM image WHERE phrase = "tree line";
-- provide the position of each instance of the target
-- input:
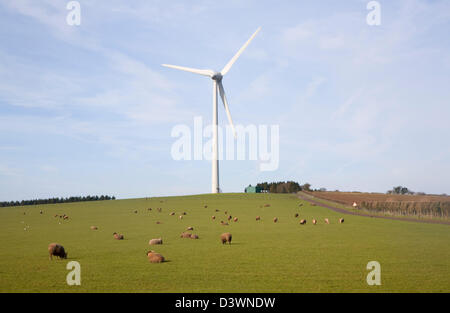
(56, 200)
(280, 187)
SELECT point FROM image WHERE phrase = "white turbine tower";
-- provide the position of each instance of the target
(217, 84)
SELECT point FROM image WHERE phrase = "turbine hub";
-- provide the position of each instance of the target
(217, 77)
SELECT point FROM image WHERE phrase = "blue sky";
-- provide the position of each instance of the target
(89, 110)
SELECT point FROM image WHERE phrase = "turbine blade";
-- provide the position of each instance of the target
(208, 73)
(236, 56)
(225, 104)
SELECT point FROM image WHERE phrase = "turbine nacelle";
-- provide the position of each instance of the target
(217, 76)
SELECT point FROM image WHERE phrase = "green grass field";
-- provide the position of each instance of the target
(264, 256)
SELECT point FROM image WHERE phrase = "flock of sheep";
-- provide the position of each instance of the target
(58, 250)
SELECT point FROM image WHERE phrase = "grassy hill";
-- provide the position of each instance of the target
(264, 256)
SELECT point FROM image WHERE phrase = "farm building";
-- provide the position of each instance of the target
(252, 189)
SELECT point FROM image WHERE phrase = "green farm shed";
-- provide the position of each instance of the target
(252, 189)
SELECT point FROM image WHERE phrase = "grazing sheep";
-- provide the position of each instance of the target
(159, 210)
(158, 222)
(135, 211)
(149, 209)
(314, 222)
(217, 210)
(66, 217)
(40, 212)
(172, 213)
(180, 217)
(55, 249)
(56, 215)
(223, 223)
(302, 222)
(230, 217)
(190, 228)
(327, 221)
(94, 227)
(154, 257)
(118, 236)
(225, 237)
(225, 212)
(258, 218)
(275, 219)
(213, 217)
(341, 220)
(193, 236)
(266, 205)
(184, 213)
(206, 206)
(235, 219)
(300, 204)
(296, 215)
(185, 235)
(157, 241)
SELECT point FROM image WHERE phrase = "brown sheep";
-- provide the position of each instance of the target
(190, 228)
(55, 249)
(225, 212)
(314, 222)
(235, 219)
(225, 237)
(302, 222)
(155, 241)
(94, 227)
(66, 217)
(223, 223)
(296, 215)
(154, 257)
(149, 209)
(56, 215)
(266, 205)
(118, 236)
(172, 213)
(217, 210)
(185, 235)
(213, 217)
(206, 206)
(158, 222)
(327, 221)
(230, 217)
(275, 219)
(135, 212)
(40, 212)
(184, 213)
(193, 236)
(258, 218)
(341, 220)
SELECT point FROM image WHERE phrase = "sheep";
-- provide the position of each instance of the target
(185, 235)
(149, 209)
(180, 217)
(40, 212)
(158, 222)
(235, 219)
(314, 222)
(184, 213)
(155, 241)
(230, 217)
(302, 222)
(341, 220)
(118, 236)
(313, 204)
(266, 205)
(65, 217)
(159, 210)
(154, 257)
(225, 212)
(217, 210)
(296, 215)
(56, 215)
(223, 223)
(94, 227)
(193, 236)
(55, 249)
(275, 219)
(225, 237)
(135, 211)
(258, 218)
(301, 204)
(172, 213)
(327, 221)
(190, 228)
(206, 206)
(213, 217)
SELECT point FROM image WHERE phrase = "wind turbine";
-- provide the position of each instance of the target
(217, 84)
